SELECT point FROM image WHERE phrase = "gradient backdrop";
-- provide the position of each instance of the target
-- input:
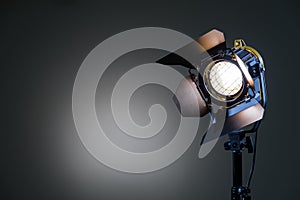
(42, 47)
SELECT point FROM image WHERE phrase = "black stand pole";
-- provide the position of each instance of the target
(236, 144)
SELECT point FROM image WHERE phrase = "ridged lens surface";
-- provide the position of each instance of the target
(226, 78)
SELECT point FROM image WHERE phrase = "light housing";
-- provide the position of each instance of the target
(243, 97)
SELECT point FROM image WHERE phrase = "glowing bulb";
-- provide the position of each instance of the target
(226, 78)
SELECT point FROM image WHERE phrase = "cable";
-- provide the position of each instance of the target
(257, 124)
(253, 160)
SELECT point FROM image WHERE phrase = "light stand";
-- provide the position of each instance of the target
(237, 143)
(217, 83)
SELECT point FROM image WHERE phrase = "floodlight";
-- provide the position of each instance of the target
(229, 81)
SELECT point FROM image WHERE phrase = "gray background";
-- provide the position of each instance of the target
(42, 47)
